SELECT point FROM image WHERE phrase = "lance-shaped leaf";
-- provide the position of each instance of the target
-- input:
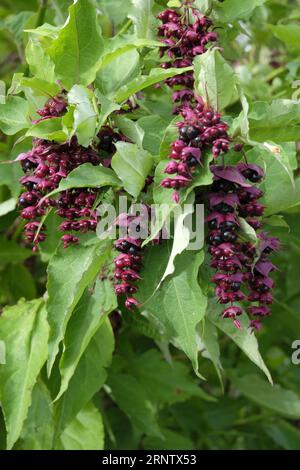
(40, 87)
(181, 238)
(282, 401)
(179, 304)
(12, 252)
(40, 64)
(84, 114)
(78, 47)
(89, 376)
(142, 18)
(289, 34)
(87, 176)
(87, 319)
(14, 115)
(50, 129)
(139, 83)
(130, 129)
(243, 337)
(133, 400)
(215, 79)
(24, 330)
(38, 430)
(132, 165)
(235, 9)
(280, 118)
(74, 269)
(85, 432)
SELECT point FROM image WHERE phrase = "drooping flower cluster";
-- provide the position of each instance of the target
(243, 269)
(185, 36)
(202, 130)
(44, 167)
(54, 107)
(129, 262)
(133, 229)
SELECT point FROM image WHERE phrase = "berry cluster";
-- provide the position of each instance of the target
(54, 107)
(44, 167)
(201, 130)
(185, 36)
(129, 262)
(239, 263)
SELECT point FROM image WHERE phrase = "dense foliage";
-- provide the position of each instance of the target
(135, 340)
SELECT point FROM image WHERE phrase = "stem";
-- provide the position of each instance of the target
(41, 13)
(125, 28)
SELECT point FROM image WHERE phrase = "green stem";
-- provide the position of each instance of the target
(41, 13)
(125, 28)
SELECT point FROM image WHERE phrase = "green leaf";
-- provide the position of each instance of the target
(107, 107)
(279, 400)
(116, 49)
(144, 81)
(87, 176)
(49, 129)
(247, 231)
(38, 430)
(235, 9)
(280, 118)
(7, 206)
(86, 320)
(19, 282)
(90, 375)
(118, 72)
(169, 440)
(209, 346)
(40, 64)
(153, 127)
(170, 134)
(132, 399)
(179, 304)
(215, 79)
(78, 47)
(283, 434)
(130, 129)
(85, 432)
(24, 329)
(45, 30)
(15, 86)
(14, 115)
(142, 18)
(12, 252)
(243, 337)
(16, 24)
(74, 269)
(132, 165)
(41, 87)
(275, 177)
(289, 34)
(181, 237)
(164, 382)
(85, 115)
